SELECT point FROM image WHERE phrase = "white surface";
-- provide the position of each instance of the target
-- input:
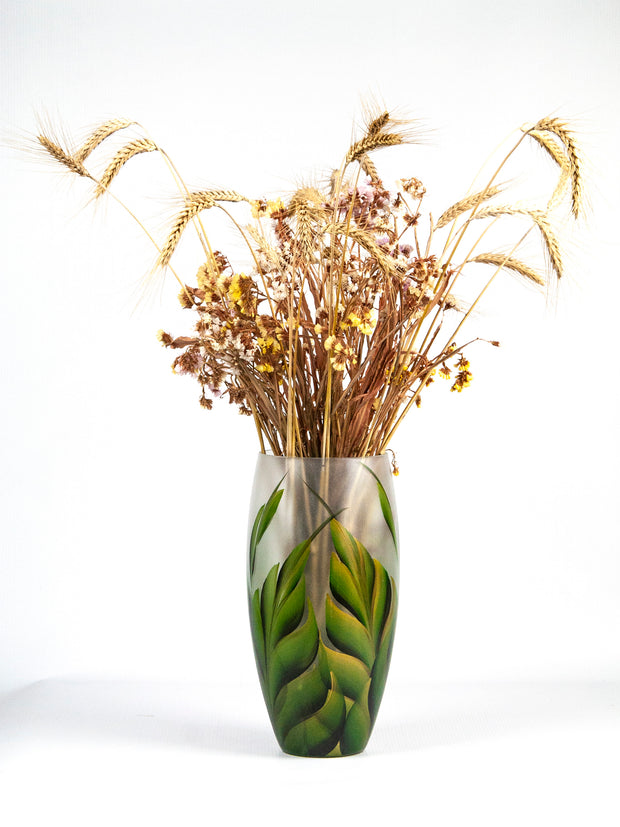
(83, 752)
(124, 504)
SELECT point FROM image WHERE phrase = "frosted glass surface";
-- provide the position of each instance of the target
(314, 489)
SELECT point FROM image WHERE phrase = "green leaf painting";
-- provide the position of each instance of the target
(386, 508)
(323, 687)
(264, 516)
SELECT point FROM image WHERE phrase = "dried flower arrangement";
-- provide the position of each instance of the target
(346, 314)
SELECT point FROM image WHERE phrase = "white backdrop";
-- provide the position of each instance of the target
(124, 503)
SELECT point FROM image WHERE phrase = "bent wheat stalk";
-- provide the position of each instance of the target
(346, 315)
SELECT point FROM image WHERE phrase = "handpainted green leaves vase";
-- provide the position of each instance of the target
(322, 586)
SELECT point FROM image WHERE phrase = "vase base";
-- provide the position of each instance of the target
(335, 753)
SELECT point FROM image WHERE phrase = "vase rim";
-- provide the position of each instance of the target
(319, 459)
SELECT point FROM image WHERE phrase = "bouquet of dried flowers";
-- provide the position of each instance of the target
(346, 314)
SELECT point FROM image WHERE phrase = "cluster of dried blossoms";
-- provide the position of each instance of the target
(331, 336)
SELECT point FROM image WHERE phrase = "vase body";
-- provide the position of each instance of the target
(322, 585)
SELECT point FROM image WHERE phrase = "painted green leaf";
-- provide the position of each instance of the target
(288, 615)
(319, 734)
(346, 548)
(346, 589)
(267, 604)
(380, 601)
(384, 653)
(348, 634)
(299, 699)
(355, 557)
(326, 505)
(357, 726)
(386, 508)
(258, 636)
(293, 654)
(270, 509)
(351, 673)
(254, 538)
(359, 617)
(262, 520)
(294, 565)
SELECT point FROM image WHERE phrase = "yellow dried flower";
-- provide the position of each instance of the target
(268, 344)
(258, 208)
(185, 298)
(234, 290)
(463, 380)
(165, 338)
(274, 207)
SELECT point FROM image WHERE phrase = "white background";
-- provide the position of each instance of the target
(125, 661)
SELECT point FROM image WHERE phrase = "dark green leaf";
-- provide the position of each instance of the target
(288, 615)
(386, 508)
(380, 602)
(267, 604)
(319, 734)
(258, 637)
(270, 509)
(346, 589)
(261, 522)
(294, 565)
(300, 699)
(293, 654)
(357, 727)
(348, 634)
(352, 675)
(346, 547)
(382, 662)
(254, 538)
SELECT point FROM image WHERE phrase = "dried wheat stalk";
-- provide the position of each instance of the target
(470, 202)
(510, 263)
(99, 135)
(69, 161)
(129, 151)
(541, 220)
(560, 129)
(343, 321)
(194, 204)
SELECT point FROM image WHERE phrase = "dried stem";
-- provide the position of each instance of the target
(339, 326)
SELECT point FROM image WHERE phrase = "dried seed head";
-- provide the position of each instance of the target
(468, 203)
(554, 126)
(62, 156)
(99, 135)
(509, 263)
(120, 159)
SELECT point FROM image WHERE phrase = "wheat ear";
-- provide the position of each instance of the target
(561, 131)
(367, 241)
(377, 123)
(552, 148)
(99, 135)
(370, 169)
(371, 142)
(542, 222)
(63, 157)
(195, 203)
(465, 204)
(306, 206)
(499, 260)
(130, 150)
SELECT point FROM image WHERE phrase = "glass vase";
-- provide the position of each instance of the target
(322, 576)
